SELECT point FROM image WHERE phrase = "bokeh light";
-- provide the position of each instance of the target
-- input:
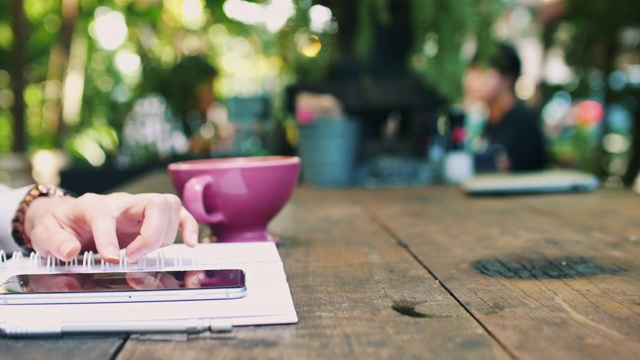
(90, 150)
(525, 87)
(73, 88)
(320, 17)
(109, 28)
(46, 165)
(589, 112)
(273, 14)
(36, 10)
(308, 45)
(6, 99)
(6, 35)
(556, 70)
(33, 95)
(52, 23)
(5, 79)
(246, 70)
(191, 44)
(615, 143)
(633, 74)
(193, 15)
(619, 119)
(617, 80)
(128, 62)
(244, 11)
(93, 144)
(430, 47)
(555, 111)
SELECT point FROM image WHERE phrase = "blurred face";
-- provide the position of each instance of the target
(482, 85)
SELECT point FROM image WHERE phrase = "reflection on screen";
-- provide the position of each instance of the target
(124, 281)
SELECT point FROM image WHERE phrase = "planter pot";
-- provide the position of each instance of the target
(328, 149)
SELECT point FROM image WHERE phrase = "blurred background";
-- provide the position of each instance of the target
(71, 71)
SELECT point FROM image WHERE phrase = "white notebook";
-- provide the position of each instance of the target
(268, 299)
(531, 182)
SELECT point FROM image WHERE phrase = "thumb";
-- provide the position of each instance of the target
(56, 241)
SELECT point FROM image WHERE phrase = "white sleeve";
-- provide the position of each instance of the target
(9, 201)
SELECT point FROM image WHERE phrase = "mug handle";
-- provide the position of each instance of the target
(193, 195)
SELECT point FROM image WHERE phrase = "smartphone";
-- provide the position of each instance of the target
(118, 287)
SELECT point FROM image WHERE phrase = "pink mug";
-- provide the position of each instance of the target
(236, 197)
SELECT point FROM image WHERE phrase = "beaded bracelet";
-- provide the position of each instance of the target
(19, 234)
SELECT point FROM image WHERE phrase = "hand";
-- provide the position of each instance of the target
(140, 223)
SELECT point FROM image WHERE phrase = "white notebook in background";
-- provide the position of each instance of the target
(268, 299)
(546, 181)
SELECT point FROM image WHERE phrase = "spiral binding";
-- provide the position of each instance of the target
(89, 261)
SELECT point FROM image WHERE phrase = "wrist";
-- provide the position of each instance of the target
(38, 210)
(31, 209)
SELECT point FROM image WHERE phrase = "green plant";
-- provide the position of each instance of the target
(441, 28)
(57, 45)
(599, 38)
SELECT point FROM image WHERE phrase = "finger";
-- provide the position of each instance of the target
(163, 211)
(50, 238)
(155, 220)
(68, 247)
(189, 228)
(174, 219)
(103, 227)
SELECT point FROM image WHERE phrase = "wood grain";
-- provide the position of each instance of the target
(541, 308)
(63, 348)
(612, 211)
(430, 273)
(351, 284)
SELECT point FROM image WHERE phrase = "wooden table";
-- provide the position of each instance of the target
(428, 273)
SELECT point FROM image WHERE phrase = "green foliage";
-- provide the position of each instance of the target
(594, 29)
(37, 10)
(92, 146)
(6, 36)
(592, 36)
(369, 13)
(6, 133)
(286, 44)
(441, 28)
(159, 39)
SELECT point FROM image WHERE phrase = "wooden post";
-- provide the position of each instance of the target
(70, 11)
(17, 76)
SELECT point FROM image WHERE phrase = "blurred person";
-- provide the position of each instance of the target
(181, 117)
(46, 219)
(511, 139)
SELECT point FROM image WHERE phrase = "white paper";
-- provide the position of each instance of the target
(268, 299)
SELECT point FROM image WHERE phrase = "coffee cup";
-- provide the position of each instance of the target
(236, 197)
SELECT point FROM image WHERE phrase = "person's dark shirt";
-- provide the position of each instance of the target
(520, 135)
